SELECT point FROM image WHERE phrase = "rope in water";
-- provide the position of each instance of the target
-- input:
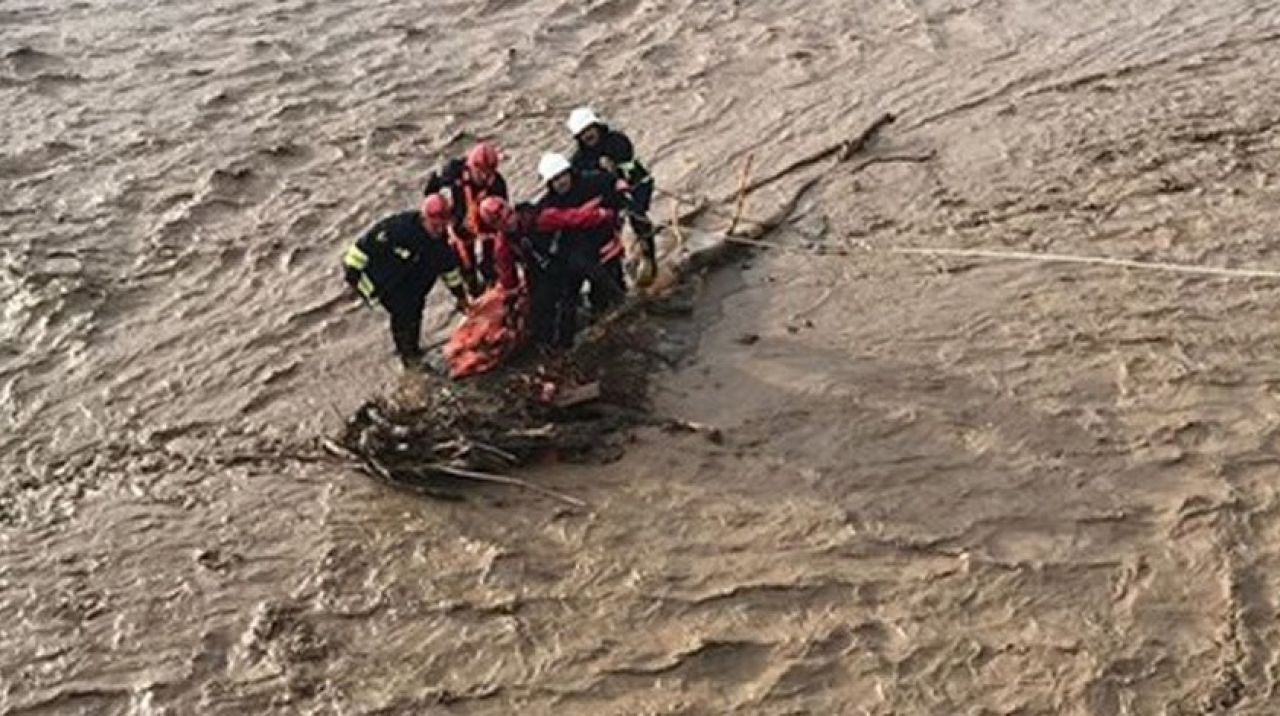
(1094, 260)
(1011, 255)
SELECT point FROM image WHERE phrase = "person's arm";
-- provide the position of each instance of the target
(359, 286)
(453, 281)
(452, 171)
(434, 184)
(626, 164)
(620, 149)
(460, 207)
(371, 248)
(613, 191)
(451, 276)
(446, 176)
(504, 262)
(578, 218)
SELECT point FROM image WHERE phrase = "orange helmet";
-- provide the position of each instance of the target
(494, 213)
(483, 158)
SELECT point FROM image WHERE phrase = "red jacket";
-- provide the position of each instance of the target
(579, 218)
(576, 218)
(505, 259)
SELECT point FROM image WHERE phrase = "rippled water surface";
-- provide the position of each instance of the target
(945, 485)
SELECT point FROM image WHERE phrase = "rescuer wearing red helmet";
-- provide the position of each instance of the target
(537, 238)
(511, 231)
(498, 256)
(397, 263)
(467, 181)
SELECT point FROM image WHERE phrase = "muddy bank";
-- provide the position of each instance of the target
(944, 485)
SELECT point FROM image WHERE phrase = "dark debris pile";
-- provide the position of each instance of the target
(570, 407)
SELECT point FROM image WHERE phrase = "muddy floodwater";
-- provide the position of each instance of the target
(942, 484)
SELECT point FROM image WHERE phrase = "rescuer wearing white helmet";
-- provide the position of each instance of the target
(555, 169)
(581, 255)
(603, 148)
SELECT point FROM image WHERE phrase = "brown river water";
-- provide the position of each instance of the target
(945, 485)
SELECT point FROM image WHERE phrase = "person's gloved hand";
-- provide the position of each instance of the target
(606, 216)
(352, 279)
(461, 302)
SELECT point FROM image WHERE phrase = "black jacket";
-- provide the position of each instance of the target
(398, 254)
(616, 146)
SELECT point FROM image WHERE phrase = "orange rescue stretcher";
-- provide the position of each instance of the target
(493, 329)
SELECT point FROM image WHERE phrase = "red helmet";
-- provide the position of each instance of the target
(494, 212)
(483, 158)
(436, 207)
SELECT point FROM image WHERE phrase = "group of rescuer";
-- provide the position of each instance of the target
(516, 271)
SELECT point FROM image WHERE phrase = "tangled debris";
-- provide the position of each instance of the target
(570, 407)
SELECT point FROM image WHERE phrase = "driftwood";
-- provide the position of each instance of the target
(712, 433)
(675, 226)
(706, 208)
(725, 248)
(742, 195)
(577, 395)
(843, 151)
(503, 480)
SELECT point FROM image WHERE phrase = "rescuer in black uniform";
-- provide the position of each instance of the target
(397, 263)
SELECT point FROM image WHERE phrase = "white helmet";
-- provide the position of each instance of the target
(552, 165)
(580, 119)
